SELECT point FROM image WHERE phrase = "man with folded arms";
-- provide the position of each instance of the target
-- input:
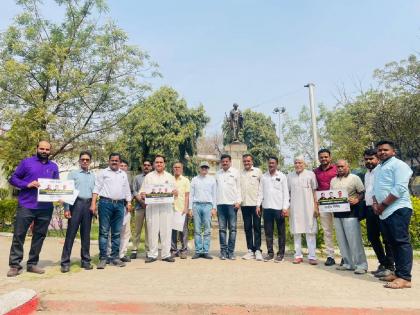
(30, 210)
(273, 194)
(203, 206)
(113, 189)
(79, 214)
(392, 203)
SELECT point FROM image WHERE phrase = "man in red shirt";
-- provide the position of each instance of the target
(324, 173)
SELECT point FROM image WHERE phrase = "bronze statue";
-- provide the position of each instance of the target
(235, 121)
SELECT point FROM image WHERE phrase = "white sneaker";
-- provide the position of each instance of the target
(249, 255)
(258, 255)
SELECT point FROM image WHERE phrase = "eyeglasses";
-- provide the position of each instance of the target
(85, 160)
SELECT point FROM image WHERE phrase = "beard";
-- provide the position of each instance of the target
(42, 156)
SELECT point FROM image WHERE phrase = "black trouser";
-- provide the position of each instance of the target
(396, 231)
(271, 215)
(374, 233)
(252, 227)
(80, 216)
(24, 218)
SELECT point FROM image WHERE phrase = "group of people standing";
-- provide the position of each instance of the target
(383, 199)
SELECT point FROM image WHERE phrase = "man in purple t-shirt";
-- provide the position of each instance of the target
(324, 173)
(29, 209)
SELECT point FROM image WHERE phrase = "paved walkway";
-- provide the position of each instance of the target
(207, 287)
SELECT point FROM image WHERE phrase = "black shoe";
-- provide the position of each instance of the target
(268, 257)
(206, 256)
(196, 256)
(65, 269)
(231, 257)
(118, 263)
(133, 255)
(222, 257)
(150, 260)
(380, 269)
(102, 264)
(87, 266)
(329, 262)
(126, 259)
(169, 259)
(108, 260)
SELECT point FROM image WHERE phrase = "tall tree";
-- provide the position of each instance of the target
(259, 134)
(163, 124)
(67, 81)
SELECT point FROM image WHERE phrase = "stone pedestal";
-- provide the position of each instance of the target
(236, 150)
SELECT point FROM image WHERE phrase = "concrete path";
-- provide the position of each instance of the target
(207, 287)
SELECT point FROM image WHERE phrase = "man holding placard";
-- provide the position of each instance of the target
(79, 214)
(26, 178)
(347, 226)
(158, 190)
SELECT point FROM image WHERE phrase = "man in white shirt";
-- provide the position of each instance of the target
(159, 216)
(113, 189)
(273, 194)
(228, 202)
(374, 233)
(250, 182)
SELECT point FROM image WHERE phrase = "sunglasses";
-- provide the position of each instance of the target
(85, 160)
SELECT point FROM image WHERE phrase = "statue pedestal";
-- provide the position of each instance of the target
(236, 150)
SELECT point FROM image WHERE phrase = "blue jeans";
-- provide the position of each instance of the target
(111, 215)
(227, 215)
(396, 230)
(202, 219)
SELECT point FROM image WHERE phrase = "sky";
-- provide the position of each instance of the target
(260, 54)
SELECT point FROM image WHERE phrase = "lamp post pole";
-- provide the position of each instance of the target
(313, 119)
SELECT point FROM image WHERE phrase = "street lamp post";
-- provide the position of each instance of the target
(279, 111)
(313, 119)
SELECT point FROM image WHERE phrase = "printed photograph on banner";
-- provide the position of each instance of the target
(159, 194)
(51, 190)
(333, 200)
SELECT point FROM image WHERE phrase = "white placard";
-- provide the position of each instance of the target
(178, 221)
(51, 190)
(335, 200)
(159, 194)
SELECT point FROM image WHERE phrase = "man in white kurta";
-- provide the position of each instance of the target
(159, 216)
(303, 209)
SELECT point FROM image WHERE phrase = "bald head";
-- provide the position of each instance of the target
(43, 150)
(343, 168)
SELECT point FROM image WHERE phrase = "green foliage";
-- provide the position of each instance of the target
(162, 124)
(7, 211)
(259, 134)
(4, 193)
(415, 223)
(66, 81)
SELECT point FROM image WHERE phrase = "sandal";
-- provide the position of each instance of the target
(398, 284)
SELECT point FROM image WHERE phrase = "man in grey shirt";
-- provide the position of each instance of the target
(140, 210)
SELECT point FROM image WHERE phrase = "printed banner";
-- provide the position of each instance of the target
(159, 194)
(51, 190)
(333, 200)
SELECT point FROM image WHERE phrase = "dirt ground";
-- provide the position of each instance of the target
(207, 287)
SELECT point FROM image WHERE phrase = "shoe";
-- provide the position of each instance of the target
(343, 268)
(65, 269)
(150, 260)
(231, 257)
(258, 255)
(133, 255)
(87, 266)
(169, 259)
(35, 269)
(102, 264)
(206, 256)
(13, 272)
(126, 259)
(313, 262)
(118, 263)
(268, 257)
(222, 257)
(383, 273)
(341, 262)
(183, 255)
(175, 254)
(360, 271)
(108, 260)
(249, 255)
(278, 259)
(379, 269)
(196, 256)
(329, 262)
(389, 278)
(298, 260)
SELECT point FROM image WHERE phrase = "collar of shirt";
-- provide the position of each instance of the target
(320, 169)
(388, 160)
(36, 158)
(110, 170)
(83, 171)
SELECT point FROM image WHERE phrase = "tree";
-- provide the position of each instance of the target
(67, 81)
(163, 124)
(259, 134)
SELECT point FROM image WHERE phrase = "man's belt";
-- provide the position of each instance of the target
(112, 200)
(84, 199)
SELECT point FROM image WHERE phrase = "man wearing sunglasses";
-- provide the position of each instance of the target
(79, 214)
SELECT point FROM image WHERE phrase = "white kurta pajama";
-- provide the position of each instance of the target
(159, 217)
(302, 208)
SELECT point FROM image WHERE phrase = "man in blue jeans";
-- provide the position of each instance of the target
(202, 205)
(113, 189)
(228, 202)
(391, 201)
